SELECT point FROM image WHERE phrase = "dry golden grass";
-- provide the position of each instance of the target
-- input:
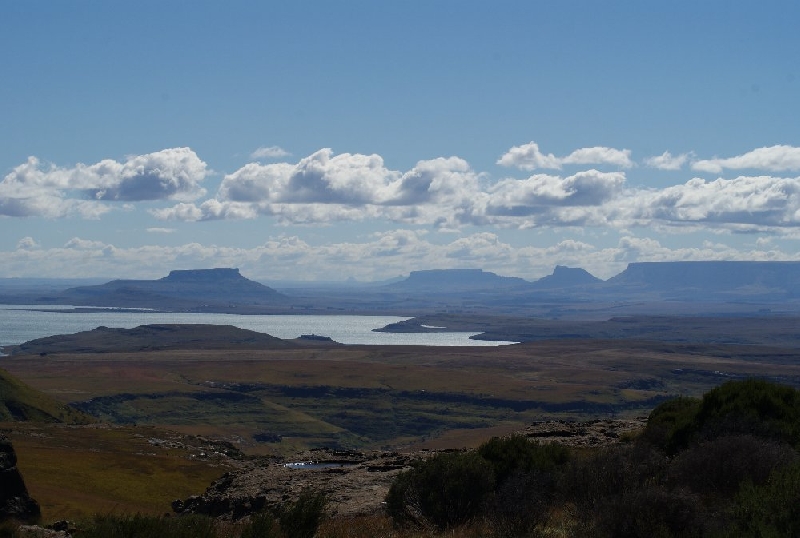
(75, 472)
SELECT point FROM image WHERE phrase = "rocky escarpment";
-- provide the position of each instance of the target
(357, 482)
(15, 502)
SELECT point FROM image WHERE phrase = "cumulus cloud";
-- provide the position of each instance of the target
(541, 192)
(447, 194)
(27, 243)
(528, 157)
(269, 152)
(35, 189)
(774, 159)
(667, 161)
(761, 201)
(325, 187)
(441, 193)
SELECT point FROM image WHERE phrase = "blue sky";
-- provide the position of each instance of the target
(323, 140)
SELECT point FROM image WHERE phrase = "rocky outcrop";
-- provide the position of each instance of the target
(354, 483)
(357, 482)
(15, 502)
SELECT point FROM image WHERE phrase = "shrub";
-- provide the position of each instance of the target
(651, 511)
(751, 406)
(671, 425)
(771, 510)
(517, 454)
(444, 491)
(522, 502)
(719, 466)
(526, 477)
(608, 473)
(301, 519)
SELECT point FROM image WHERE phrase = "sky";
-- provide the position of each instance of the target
(323, 140)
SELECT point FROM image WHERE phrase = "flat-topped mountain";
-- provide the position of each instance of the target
(181, 288)
(454, 280)
(702, 279)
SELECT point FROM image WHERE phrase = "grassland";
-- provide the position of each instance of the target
(281, 400)
(75, 471)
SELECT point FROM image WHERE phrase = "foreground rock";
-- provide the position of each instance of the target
(15, 502)
(357, 482)
(354, 482)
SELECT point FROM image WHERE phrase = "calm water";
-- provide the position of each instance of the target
(20, 323)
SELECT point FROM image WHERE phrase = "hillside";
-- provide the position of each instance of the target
(153, 338)
(20, 402)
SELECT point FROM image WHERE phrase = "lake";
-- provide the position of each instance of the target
(20, 323)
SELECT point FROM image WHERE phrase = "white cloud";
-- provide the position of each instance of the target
(447, 194)
(748, 202)
(33, 189)
(324, 188)
(269, 152)
(600, 155)
(27, 243)
(161, 230)
(529, 157)
(667, 161)
(542, 192)
(773, 159)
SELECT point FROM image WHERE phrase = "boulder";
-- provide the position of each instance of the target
(15, 502)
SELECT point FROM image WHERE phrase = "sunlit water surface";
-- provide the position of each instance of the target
(20, 323)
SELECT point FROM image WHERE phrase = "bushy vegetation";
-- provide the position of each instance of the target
(509, 480)
(444, 491)
(752, 407)
(301, 519)
(724, 465)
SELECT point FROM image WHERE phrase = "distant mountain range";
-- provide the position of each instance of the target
(757, 285)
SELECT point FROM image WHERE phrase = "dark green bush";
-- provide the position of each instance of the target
(752, 407)
(517, 454)
(770, 510)
(301, 519)
(719, 466)
(652, 511)
(444, 491)
(526, 475)
(522, 502)
(671, 425)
